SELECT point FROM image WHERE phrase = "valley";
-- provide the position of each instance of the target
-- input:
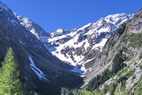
(99, 58)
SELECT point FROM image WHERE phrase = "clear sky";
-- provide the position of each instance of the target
(69, 14)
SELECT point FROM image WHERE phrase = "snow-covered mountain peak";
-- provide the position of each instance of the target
(77, 46)
(24, 21)
(118, 19)
(72, 46)
(60, 30)
(120, 15)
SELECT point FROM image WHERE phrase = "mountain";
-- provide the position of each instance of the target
(34, 28)
(72, 45)
(117, 70)
(108, 52)
(122, 43)
(122, 56)
(79, 45)
(38, 67)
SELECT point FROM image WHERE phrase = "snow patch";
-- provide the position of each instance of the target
(101, 44)
(79, 69)
(21, 42)
(39, 73)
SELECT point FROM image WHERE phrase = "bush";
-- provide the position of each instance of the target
(118, 62)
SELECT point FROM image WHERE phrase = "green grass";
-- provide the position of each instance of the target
(123, 71)
(123, 78)
(84, 92)
(135, 40)
(137, 90)
(110, 88)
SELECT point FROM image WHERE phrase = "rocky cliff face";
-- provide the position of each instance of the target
(119, 64)
(135, 25)
(39, 68)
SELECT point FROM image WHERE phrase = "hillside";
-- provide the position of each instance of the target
(38, 67)
(118, 69)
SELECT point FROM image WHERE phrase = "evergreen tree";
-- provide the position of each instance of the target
(10, 83)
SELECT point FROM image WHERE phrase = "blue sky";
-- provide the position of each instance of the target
(69, 14)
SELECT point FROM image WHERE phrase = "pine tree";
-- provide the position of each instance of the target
(10, 83)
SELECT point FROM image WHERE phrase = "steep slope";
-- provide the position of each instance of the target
(79, 45)
(33, 28)
(118, 69)
(38, 67)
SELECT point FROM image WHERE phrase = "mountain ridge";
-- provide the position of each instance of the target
(84, 32)
(76, 46)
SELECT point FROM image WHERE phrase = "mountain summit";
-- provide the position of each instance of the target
(77, 46)
(73, 46)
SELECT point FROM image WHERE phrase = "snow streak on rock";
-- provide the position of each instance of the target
(38, 72)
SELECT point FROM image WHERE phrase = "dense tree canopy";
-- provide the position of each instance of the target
(10, 83)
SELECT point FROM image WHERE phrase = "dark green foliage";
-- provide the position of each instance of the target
(137, 90)
(123, 79)
(107, 74)
(100, 79)
(80, 92)
(65, 91)
(10, 83)
(84, 92)
(118, 62)
(110, 88)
